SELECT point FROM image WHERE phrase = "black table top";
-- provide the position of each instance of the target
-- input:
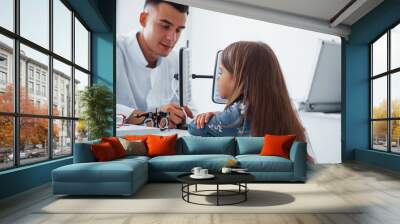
(220, 178)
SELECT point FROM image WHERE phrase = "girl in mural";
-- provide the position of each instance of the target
(258, 100)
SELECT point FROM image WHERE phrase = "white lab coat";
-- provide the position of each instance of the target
(140, 87)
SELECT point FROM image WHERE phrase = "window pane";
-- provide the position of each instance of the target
(379, 55)
(395, 94)
(62, 29)
(6, 74)
(395, 47)
(379, 135)
(62, 89)
(35, 21)
(81, 131)
(62, 138)
(395, 136)
(81, 45)
(7, 14)
(34, 72)
(33, 139)
(379, 97)
(6, 142)
(81, 81)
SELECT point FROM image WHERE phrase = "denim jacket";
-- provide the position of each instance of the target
(230, 122)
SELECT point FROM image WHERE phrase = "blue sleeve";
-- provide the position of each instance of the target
(225, 123)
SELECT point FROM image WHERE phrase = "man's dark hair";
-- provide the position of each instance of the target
(181, 8)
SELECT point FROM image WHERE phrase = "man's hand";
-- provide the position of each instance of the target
(203, 118)
(136, 117)
(188, 112)
(176, 113)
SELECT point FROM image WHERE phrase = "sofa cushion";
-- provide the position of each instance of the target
(191, 145)
(136, 137)
(161, 145)
(277, 145)
(257, 163)
(111, 171)
(116, 145)
(103, 152)
(131, 158)
(83, 152)
(249, 145)
(134, 147)
(185, 163)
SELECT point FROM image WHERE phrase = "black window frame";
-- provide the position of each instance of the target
(388, 74)
(16, 115)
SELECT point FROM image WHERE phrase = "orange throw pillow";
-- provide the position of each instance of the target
(277, 145)
(103, 152)
(136, 137)
(161, 145)
(116, 145)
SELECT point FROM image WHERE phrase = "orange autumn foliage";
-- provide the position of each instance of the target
(33, 130)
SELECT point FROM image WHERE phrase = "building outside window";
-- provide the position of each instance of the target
(37, 74)
(30, 87)
(44, 77)
(38, 89)
(3, 61)
(3, 78)
(3, 71)
(30, 72)
(58, 128)
(44, 91)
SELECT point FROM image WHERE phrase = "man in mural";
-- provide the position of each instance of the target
(146, 64)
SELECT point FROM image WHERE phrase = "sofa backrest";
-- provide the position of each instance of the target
(192, 145)
(249, 145)
(83, 152)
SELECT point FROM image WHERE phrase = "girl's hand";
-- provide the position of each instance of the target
(201, 119)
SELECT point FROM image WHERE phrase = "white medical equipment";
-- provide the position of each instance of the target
(325, 89)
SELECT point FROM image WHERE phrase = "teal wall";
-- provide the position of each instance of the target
(99, 16)
(103, 51)
(102, 55)
(24, 178)
(355, 89)
(381, 159)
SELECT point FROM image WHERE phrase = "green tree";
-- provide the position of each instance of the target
(97, 103)
(380, 128)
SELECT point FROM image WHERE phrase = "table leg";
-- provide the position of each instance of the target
(245, 193)
(182, 189)
(217, 194)
(188, 190)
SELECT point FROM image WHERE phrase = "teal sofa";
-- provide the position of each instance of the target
(125, 176)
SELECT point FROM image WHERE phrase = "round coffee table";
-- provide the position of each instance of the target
(238, 179)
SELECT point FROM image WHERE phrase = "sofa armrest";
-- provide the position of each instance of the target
(83, 152)
(298, 154)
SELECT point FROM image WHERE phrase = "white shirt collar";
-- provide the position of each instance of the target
(138, 53)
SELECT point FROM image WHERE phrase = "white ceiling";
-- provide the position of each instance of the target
(321, 9)
(315, 15)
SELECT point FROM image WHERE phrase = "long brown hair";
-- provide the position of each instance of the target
(260, 83)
